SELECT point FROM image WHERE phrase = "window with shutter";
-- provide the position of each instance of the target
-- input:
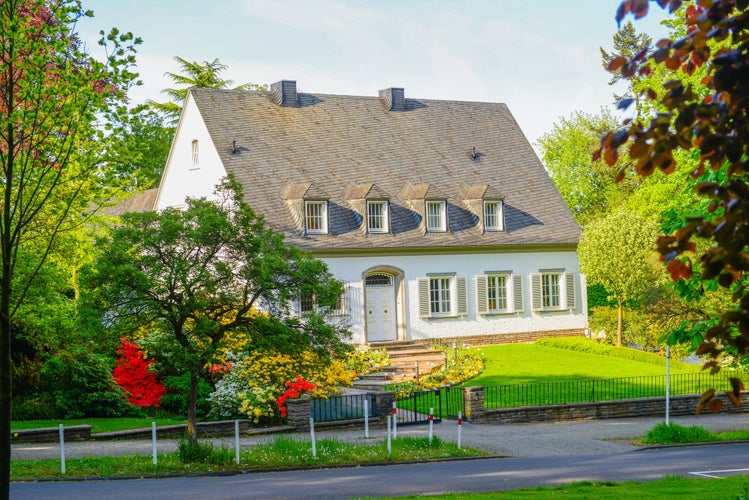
(443, 296)
(494, 292)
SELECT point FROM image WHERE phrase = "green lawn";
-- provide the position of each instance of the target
(531, 363)
(98, 424)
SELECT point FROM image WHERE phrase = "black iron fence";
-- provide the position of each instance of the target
(343, 407)
(414, 408)
(585, 391)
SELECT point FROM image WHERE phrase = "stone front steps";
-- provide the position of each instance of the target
(408, 360)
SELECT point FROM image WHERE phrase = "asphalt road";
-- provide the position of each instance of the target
(701, 462)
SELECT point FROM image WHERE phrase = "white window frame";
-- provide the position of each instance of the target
(383, 216)
(513, 291)
(195, 154)
(321, 226)
(498, 216)
(441, 224)
(554, 290)
(448, 291)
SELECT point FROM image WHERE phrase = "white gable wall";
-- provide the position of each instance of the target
(469, 265)
(181, 177)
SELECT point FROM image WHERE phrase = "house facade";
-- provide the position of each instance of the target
(437, 215)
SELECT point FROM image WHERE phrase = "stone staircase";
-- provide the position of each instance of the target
(408, 360)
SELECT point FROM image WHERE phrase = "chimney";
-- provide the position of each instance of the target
(394, 99)
(284, 93)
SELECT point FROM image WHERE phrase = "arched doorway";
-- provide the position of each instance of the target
(380, 307)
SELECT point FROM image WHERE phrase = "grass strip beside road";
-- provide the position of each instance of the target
(279, 453)
(683, 488)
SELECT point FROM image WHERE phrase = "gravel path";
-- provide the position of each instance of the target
(517, 440)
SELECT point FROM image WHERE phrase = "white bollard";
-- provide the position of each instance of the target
(460, 426)
(62, 449)
(366, 418)
(431, 425)
(312, 434)
(395, 421)
(389, 442)
(236, 441)
(153, 443)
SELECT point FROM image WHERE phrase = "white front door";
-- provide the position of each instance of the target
(380, 308)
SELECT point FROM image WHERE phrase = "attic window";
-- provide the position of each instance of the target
(493, 216)
(377, 216)
(436, 216)
(195, 150)
(316, 217)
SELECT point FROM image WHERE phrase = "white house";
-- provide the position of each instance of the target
(437, 215)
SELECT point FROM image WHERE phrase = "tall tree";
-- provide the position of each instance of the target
(627, 43)
(192, 276)
(194, 74)
(617, 252)
(51, 95)
(711, 120)
(588, 187)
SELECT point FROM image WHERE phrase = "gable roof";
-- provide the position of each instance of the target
(342, 148)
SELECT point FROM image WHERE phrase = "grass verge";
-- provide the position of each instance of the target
(679, 434)
(281, 453)
(667, 488)
(97, 424)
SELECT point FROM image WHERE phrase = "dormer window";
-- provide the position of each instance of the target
(493, 216)
(316, 217)
(195, 151)
(436, 216)
(377, 216)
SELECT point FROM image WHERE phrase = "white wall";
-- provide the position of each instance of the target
(350, 269)
(181, 178)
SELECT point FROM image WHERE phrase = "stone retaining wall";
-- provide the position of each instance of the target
(51, 434)
(642, 407)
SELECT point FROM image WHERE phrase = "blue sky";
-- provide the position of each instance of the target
(540, 57)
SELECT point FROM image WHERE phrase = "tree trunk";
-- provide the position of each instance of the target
(5, 395)
(619, 318)
(192, 409)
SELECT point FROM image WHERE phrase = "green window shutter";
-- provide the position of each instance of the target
(517, 292)
(536, 299)
(424, 308)
(481, 294)
(462, 283)
(570, 290)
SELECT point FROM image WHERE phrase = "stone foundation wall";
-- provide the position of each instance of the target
(502, 338)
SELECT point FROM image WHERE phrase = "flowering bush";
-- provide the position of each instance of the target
(255, 382)
(133, 373)
(462, 364)
(364, 360)
(295, 388)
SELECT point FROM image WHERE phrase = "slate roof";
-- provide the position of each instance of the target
(139, 202)
(345, 148)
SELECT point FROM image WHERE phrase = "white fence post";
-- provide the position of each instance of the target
(460, 426)
(389, 442)
(62, 449)
(366, 418)
(395, 421)
(431, 425)
(153, 443)
(236, 441)
(312, 434)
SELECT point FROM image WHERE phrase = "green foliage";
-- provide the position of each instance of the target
(194, 74)
(677, 434)
(582, 344)
(702, 107)
(177, 396)
(79, 384)
(588, 187)
(202, 451)
(598, 297)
